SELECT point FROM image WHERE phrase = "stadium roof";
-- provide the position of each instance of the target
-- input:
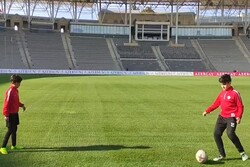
(205, 4)
(237, 7)
(236, 3)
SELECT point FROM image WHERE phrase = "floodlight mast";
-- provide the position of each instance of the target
(176, 22)
(5, 17)
(126, 14)
(28, 12)
(245, 17)
(198, 13)
(130, 22)
(222, 12)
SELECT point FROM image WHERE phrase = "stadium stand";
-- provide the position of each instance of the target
(203, 56)
(46, 50)
(10, 56)
(2, 24)
(136, 58)
(153, 43)
(170, 52)
(141, 65)
(120, 41)
(92, 54)
(225, 55)
(186, 65)
(186, 52)
(182, 58)
(246, 42)
(142, 52)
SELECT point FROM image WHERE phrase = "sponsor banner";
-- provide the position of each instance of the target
(237, 74)
(168, 73)
(92, 72)
(69, 72)
(132, 73)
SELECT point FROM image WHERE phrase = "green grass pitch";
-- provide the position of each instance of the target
(120, 121)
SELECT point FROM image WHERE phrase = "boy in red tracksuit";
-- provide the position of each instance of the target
(10, 112)
(232, 109)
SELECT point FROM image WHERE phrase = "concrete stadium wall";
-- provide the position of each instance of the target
(118, 18)
(22, 22)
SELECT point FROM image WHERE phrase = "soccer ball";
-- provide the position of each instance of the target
(201, 156)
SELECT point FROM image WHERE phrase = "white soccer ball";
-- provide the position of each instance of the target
(201, 156)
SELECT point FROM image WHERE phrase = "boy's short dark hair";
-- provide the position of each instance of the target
(15, 78)
(225, 78)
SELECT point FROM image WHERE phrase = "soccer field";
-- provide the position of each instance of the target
(120, 121)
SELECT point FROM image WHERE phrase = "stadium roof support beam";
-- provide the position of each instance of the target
(5, 16)
(28, 13)
(34, 7)
(130, 21)
(9, 7)
(53, 8)
(176, 22)
(100, 5)
(75, 11)
(80, 11)
(171, 14)
(56, 9)
(246, 21)
(198, 13)
(222, 11)
(126, 13)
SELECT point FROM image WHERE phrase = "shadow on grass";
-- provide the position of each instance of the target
(82, 148)
(211, 162)
(232, 159)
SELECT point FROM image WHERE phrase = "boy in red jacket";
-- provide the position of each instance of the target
(232, 109)
(10, 112)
